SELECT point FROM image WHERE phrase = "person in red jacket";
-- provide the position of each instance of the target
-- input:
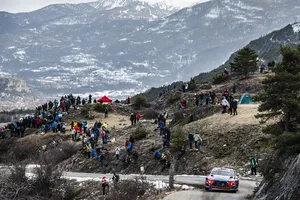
(126, 143)
(138, 117)
(104, 184)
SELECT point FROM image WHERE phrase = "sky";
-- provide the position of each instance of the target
(15, 6)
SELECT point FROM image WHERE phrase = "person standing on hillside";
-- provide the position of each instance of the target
(201, 97)
(90, 99)
(226, 72)
(226, 94)
(104, 184)
(106, 112)
(191, 140)
(207, 98)
(126, 143)
(213, 97)
(196, 97)
(224, 104)
(198, 141)
(132, 119)
(138, 116)
(234, 106)
(253, 164)
(165, 117)
(118, 151)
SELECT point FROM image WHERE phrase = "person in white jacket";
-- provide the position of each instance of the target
(198, 141)
(224, 104)
(118, 151)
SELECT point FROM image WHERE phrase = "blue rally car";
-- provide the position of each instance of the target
(224, 179)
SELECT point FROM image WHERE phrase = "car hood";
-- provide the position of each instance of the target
(220, 178)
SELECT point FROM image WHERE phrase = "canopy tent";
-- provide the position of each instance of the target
(246, 99)
(104, 99)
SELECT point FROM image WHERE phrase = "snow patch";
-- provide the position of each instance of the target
(20, 54)
(145, 64)
(296, 27)
(123, 39)
(12, 47)
(213, 13)
(79, 58)
(103, 46)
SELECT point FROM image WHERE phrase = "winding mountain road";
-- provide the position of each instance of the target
(246, 186)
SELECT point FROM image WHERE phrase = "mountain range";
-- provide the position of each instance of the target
(120, 47)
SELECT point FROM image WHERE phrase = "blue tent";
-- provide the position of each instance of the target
(246, 99)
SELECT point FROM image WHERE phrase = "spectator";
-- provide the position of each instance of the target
(191, 140)
(118, 151)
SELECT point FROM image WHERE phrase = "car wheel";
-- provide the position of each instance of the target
(206, 189)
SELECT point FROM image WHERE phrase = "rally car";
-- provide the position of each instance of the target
(222, 179)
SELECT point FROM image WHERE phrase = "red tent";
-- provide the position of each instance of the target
(104, 99)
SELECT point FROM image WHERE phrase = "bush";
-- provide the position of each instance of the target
(173, 97)
(85, 111)
(150, 113)
(140, 133)
(220, 79)
(98, 107)
(192, 84)
(132, 189)
(140, 101)
(25, 149)
(179, 139)
(177, 118)
(61, 152)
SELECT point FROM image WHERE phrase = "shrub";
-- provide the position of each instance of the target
(25, 149)
(178, 117)
(220, 79)
(61, 152)
(173, 97)
(140, 133)
(140, 101)
(85, 111)
(179, 139)
(132, 189)
(98, 107)
(150, 113)
(192, 84)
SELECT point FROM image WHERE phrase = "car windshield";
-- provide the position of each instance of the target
(223, 172)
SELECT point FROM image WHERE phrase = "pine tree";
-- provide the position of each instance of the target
(281, 97)
(192, 84)
(245, 62)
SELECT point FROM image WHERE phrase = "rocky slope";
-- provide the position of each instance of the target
(242, 137)
(267, 48)
(284, 180)
(16, 94)
(117, 45)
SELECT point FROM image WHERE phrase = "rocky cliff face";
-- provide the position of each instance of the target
(14, 85)
(16, 94)
(283, 182)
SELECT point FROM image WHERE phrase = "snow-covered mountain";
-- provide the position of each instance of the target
(130, 45)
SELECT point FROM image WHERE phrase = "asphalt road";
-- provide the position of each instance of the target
(246, 186)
